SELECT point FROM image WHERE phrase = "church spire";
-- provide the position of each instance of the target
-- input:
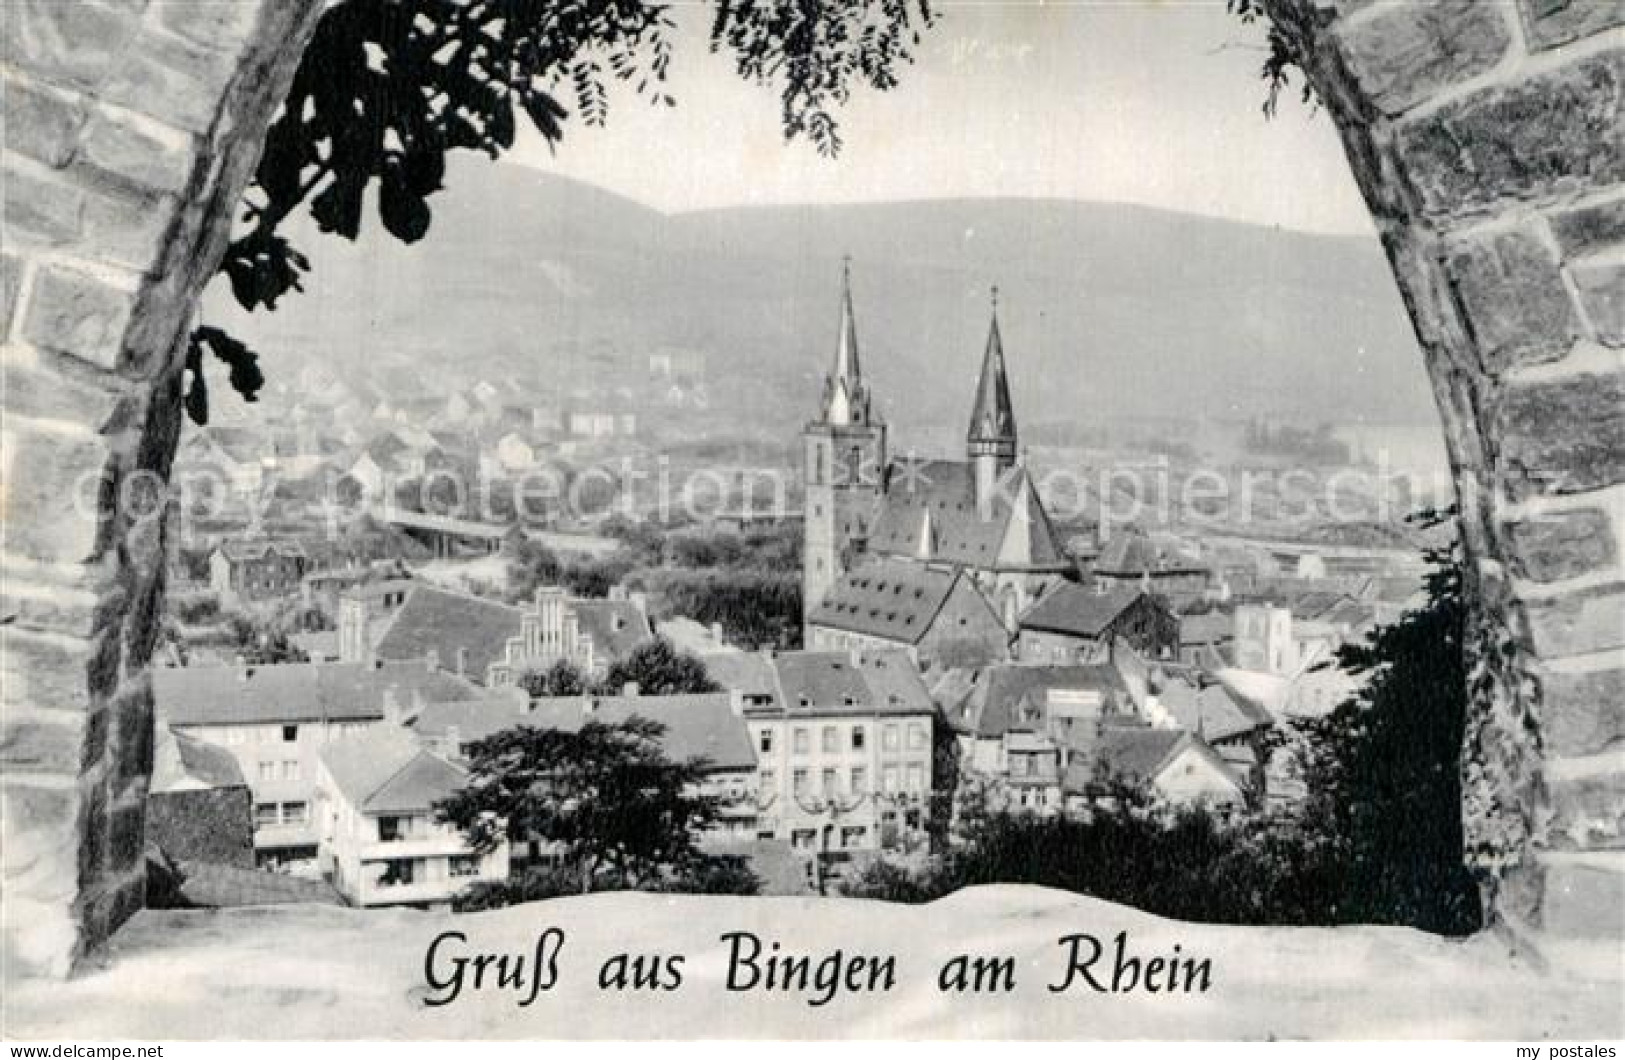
(993, 421)
(846, 401)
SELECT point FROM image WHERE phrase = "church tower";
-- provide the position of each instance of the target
(991, 441)
(844, 466)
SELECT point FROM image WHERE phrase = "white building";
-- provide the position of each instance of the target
(380, 843)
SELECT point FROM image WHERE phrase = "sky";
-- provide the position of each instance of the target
(1141, 101)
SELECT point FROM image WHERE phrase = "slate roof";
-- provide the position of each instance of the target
(829, 682)
(237, 550)
(1132, 553)
(611, 639)
(438, 620)
(1004, 697)
(941, 495)
(749, 673)
(293, 692)
(1078, 611)
(1210, 628)
(180, 762)
(697, 726)
(212, 886)
(888, 598)
(474, 719)
(1212, 711)
(384, 770)
(1132, 755)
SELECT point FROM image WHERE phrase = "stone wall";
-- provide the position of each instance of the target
(131, 129)
(1486, 138)
(1489, 141)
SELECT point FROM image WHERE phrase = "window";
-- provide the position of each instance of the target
(889, 738)
(265, 814)
(267, 770)
(392, 829)
(290, 733)
(831, 739)
(857, 737)
(295, 812)
(766, 741)
(462, 865)
(768, 779)
(916, 776)
(916, 736)
(832, 783)
(860, 780)
(290, 769)
(397, 873)
(888, 779)
(802, 743)
(799, 780)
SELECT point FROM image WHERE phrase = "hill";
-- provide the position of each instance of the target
(1107, 310)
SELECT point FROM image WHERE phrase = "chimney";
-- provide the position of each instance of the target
(431, 659)
(392, 707)
(454, 740)
(630, 690)
(854, 655)
(589, 706)
(462, 662)
(736, 702)
(716, 633)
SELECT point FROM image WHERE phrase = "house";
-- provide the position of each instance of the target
(1236, 728)
(1171, 765)
(276, 720)
(935, 614)
(844, 749)
(708, 726)
(1133, 558)
(1206, 639)
(493, 643)
(199, 807)
(1076, 623)
(379, 842)
(243, 571)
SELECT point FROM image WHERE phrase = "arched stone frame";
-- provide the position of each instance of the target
(1485, 138)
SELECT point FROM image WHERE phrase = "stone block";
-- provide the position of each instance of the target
(128, 231)
(173, 80)
(1525, 142)
(42, 742)
(209, 23)
(1563, 436)
(41, 122)
(1549, 23)
(44, 385)
(126, 835)
(1587, 620)
(58, 480)
(76, 313)
(38, 826)
(41, 209)
(1588, 813)
(135, 150)
(1511, 290)
(69, 42)
(1582, 713)
(1556, 545)
(52, 609)
(1584, 900)
(1408, 52)
(1601, 286)
(56, 672)
(1590, 229)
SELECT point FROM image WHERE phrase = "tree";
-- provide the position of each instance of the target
(387, 88)
(659, 669)
(531, 565)
(563, 678)
(623, 814)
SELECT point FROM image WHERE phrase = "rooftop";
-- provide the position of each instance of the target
(294, 692)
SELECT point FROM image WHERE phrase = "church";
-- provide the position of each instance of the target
(938, 557)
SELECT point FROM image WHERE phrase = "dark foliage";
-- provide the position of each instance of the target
(756, 609)
(560, 679)
(658, 669)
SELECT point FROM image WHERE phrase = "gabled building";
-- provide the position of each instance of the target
(380, 843)
(1077, 623)
(1131, 558)
(243, 571)
(935, 614)
(276, 720)
(1172, 765)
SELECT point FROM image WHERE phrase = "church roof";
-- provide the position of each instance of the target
(946, 489)
(846, 401)
(993, 419)
(888, 598)
(1071, 609)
